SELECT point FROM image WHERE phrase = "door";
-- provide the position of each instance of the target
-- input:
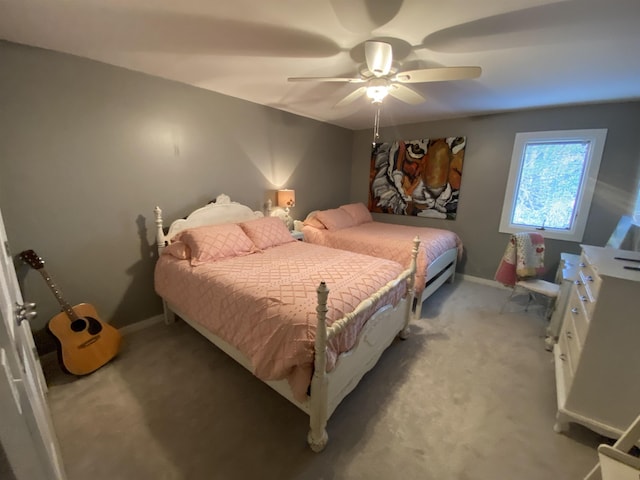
(26, 429)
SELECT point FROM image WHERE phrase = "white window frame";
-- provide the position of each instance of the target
(596, 139)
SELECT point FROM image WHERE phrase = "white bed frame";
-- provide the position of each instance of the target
(327, 388)
(441, 270)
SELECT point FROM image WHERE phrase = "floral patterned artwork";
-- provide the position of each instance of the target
(417, 177)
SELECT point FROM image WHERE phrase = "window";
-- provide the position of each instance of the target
(551, 182)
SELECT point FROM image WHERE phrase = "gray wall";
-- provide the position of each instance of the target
(87, 150)
(484, 178)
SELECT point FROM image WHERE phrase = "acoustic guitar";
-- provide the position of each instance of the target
(85, 343)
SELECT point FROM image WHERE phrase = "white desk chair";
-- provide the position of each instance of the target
(615, 462)
(536, 286)
(522, 265)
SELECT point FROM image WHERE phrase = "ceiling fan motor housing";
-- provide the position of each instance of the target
(379, 56)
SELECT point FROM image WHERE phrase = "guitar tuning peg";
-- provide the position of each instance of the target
(29, 306)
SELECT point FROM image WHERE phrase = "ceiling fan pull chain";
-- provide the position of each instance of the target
(376, 125)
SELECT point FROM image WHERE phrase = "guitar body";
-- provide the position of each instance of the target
(86, 343)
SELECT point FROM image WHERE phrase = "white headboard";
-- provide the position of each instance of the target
(222, 211)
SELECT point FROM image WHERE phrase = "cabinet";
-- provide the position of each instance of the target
(598, 349)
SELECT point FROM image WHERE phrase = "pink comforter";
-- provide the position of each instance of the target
(389, 241)
(264, 303)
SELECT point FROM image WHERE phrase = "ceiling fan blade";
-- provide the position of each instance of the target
(405, 94)
(379, 56)
(357, 93)
(326, 79)
(437, 74)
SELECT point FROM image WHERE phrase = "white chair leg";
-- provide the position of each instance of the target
(529, 299)
(513, 291)
(594, 474)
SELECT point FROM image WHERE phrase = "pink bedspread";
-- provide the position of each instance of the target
(389, 241)
(264, 303)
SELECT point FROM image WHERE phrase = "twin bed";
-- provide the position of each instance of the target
(306, 319)
(351, 227)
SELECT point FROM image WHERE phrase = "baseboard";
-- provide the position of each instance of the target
(141, 325)
(483, 281)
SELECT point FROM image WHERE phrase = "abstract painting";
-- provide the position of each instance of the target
(417, 177)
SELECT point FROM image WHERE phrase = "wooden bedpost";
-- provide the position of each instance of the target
(411, 283)
(160, 242)
(317, 437)
(169, 316)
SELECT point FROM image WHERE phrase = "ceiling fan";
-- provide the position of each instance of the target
(381, 77)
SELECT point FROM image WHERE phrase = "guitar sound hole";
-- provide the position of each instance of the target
(94, 327)
(78, 325)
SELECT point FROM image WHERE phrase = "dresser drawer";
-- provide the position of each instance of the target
(589, 277)
(577, 314)
(565, 360)
(582, 298)
(571, 339)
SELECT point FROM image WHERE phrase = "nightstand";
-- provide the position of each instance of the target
(297, 235)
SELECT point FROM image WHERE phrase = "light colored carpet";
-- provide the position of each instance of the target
(470, 395)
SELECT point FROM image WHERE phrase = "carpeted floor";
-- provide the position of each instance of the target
(470, 395)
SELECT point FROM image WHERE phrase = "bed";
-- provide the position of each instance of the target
(307, 320)
(351, 227)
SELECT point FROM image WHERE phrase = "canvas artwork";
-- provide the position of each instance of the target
(417, 177)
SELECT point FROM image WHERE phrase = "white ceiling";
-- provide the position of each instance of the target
(533, 53)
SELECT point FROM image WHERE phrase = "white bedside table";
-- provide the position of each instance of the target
(297, 235)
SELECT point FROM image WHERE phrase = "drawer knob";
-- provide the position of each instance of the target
(574, 310)
(569, 335)
(590, 278)
(583, 298)
(563, 357)
(582, 264)
(577, 282)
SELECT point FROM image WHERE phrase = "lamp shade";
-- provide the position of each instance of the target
(286, 198)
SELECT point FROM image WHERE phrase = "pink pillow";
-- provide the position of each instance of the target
(215, 242)
(312, 221)
(335, 219)
(359, 212)
(267, 232)
(177, 249)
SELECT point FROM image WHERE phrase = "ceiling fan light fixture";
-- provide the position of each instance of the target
(377, 90)
(377, 94)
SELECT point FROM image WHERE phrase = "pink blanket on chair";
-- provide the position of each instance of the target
(523, 258)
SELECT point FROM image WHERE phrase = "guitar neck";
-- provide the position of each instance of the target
(66, 307)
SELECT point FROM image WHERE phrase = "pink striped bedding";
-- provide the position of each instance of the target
(264, 303)
(389, 241)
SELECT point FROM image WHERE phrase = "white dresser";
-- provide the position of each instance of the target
(597, 356)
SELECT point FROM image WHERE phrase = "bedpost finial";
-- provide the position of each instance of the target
(323, 294)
